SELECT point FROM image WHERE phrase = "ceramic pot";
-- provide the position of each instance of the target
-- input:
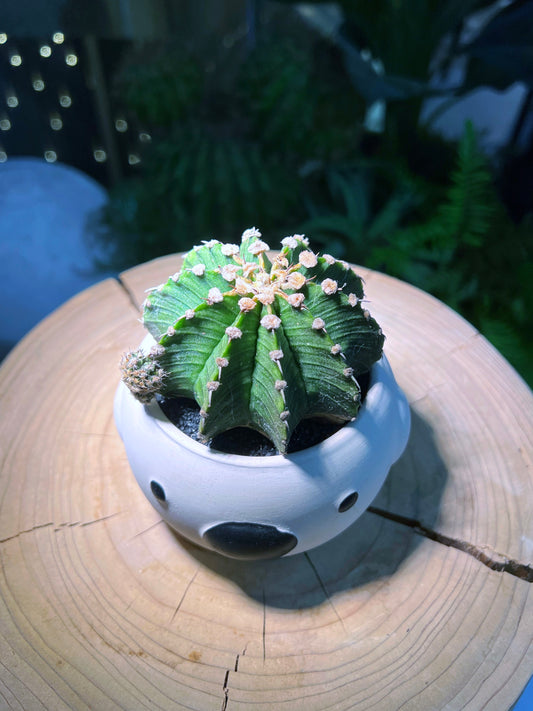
(264, 507)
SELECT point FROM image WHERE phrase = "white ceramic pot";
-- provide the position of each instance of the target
(264, 507)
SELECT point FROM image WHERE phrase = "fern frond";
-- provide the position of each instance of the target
(465, 216)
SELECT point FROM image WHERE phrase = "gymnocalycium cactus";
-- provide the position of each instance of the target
(257, 342)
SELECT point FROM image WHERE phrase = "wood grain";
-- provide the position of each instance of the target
(425, 603)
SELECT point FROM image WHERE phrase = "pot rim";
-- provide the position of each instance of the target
(321, 449)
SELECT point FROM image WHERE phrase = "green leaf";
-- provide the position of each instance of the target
(354, 192)
(390, 216)
(468, 210)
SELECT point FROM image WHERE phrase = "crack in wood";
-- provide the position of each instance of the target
(501, 563)
(98, 520)
(225, 691)
(27, 530)
(129, 293)
(238, 657)
(58, 527)
(225, 685)
(145, 530)
(324, 590)
(191, 581)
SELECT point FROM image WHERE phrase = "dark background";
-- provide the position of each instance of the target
(396, 135)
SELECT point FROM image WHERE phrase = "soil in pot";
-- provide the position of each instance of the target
(184, 413)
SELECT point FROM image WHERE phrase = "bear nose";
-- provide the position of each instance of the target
(250, 541)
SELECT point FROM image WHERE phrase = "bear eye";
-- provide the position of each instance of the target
(348, 502)
(158, 491)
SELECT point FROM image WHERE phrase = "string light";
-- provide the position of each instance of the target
(50, 156)
(56, 123)
(12, 101)
(3, 38)
(71, 59)
(38, 83)
(3, 156)
(15, 60)
(65, 100)
(145, 137)
(121, 125)
(100, 156)
(5, 124)
(58, 37)
(45, 50)
(133, 159)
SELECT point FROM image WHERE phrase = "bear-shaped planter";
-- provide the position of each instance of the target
(250, 507)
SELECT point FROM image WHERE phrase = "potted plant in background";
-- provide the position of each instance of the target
(338, 140)
(280, 345)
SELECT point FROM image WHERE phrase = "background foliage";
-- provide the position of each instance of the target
(321, 134)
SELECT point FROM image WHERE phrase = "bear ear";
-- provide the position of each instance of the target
(249, 541)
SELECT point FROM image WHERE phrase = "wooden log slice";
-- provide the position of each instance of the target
(424, 603)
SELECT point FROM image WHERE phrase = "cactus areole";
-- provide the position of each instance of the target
(258, 342)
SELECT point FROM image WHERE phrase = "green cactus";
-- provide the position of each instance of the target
(258, 342)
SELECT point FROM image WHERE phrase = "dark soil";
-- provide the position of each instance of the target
(185, 414)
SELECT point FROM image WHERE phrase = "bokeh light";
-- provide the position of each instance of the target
(65, 100)
(56, 122)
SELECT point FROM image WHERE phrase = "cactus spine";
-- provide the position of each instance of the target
(255, 342)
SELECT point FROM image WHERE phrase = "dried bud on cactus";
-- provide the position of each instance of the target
(142, 373)
(285, 339)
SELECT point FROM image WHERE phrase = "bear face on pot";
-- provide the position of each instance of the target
(261, 344)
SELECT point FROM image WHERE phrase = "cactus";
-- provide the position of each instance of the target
(257, 341)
